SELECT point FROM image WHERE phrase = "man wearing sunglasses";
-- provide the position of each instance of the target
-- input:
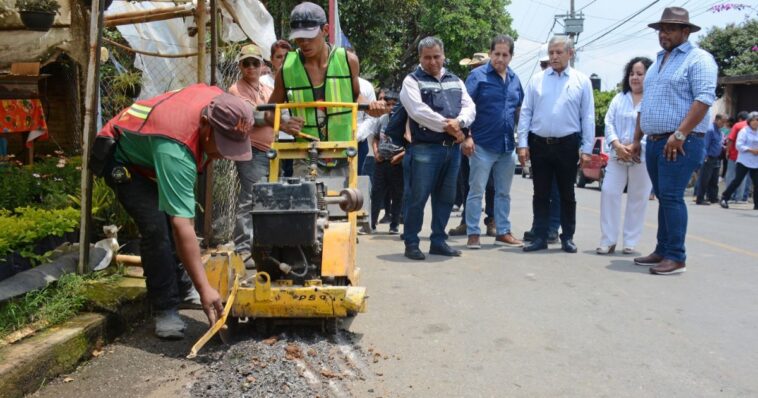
(316, 71)
(251, 89)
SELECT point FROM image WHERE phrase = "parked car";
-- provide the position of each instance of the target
(595, 171)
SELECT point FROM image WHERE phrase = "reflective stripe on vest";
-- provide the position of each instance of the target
(174, 115)
(338, 87)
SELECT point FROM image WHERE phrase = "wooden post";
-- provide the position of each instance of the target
(214, 41)
(88, 132)
(207, 231)
(200, 18)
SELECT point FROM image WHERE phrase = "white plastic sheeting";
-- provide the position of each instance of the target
(171, 37)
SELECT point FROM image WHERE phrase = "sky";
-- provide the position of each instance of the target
(606, 57)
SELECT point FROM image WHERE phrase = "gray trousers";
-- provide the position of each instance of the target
(249, 173)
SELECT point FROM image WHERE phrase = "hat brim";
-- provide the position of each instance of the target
(305, 33)
(656, 25)
(246, 56)
(231, 149)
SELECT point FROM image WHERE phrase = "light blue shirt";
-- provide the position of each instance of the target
(556, 105)
(688, 75)
(747, 139)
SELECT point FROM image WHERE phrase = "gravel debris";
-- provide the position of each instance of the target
(298, 363)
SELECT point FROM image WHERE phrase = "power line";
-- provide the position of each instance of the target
(620, 24)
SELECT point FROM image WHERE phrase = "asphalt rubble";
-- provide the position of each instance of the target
(295, 363)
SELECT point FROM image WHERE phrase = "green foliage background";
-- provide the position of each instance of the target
(385, 33)
(733, 47)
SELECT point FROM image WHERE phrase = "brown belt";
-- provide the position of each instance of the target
(658, 137)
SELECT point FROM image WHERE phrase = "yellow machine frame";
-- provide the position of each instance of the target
(260, 297)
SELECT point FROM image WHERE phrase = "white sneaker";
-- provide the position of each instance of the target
(191, 300)
(169, 325)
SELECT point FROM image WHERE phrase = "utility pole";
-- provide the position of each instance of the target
(573, 25)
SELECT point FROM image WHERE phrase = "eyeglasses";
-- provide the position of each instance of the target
(246, 63)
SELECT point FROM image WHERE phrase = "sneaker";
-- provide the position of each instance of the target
(491, 229)
(169, 325)
(668, 267)
(473, 242)
(365, 230)
(724, 203)
(460, 230)
(394, 231)
(191, 300)
(650, 260)
(508, 240)
(247, 258)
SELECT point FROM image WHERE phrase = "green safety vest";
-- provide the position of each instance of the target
(338, 122)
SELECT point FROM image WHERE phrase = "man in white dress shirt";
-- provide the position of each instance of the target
(557, 119)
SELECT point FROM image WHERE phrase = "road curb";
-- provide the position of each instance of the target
(27, 365)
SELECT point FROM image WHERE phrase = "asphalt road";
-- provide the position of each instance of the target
(498, 322)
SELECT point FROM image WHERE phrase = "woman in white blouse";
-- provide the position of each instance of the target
(747, 159)
(623, 170)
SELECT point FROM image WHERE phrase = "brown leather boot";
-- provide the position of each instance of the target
(473, 242)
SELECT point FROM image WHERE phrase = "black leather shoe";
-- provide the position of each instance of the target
(444, 250)
(414, 253)
(537, 244)
(568, 246)
(529, 236)
(552, 237)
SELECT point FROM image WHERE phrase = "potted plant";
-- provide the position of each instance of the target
(128, 83)
(37, 14)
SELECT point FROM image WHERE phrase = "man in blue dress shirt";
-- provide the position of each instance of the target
(679, 88)
(708, 179)
(497, 93)
(557, 121)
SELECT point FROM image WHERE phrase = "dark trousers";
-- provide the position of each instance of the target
(740, 173)
(388, 180)
(167, 281)
(557, 161)
(708, 180)
(555, 211)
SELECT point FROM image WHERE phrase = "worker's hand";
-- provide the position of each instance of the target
(452, 127)
(523, 156)
(211, 302)
(397, 158)
(672, 148)
(378, 108)
(468, 146)
(293, 125)
(586, 159)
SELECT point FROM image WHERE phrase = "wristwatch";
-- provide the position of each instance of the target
(680, 136)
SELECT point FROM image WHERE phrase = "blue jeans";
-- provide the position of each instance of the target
(249, 172)
(669, 180)
(502, 166)
(433, 170)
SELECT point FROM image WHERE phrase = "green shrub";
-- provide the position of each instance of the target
(26, 226)
(46, 183)
(50, 6)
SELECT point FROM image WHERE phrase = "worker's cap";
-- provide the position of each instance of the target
(231, 119)
(250, 51)
(306, 20)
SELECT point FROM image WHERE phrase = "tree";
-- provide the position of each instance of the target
(602, 101)
(385, 33)
(733, 47)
